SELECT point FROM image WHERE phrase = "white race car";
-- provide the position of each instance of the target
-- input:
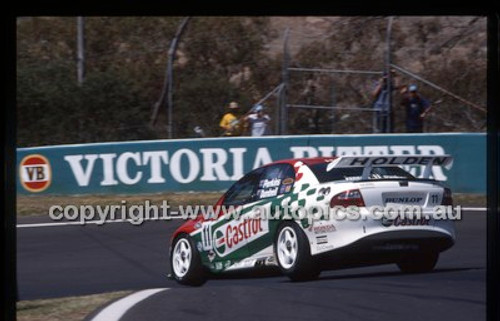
(270, 229)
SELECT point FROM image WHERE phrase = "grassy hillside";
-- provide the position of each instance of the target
(221, 59)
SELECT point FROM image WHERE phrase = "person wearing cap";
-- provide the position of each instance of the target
(382, 83)
(417, 108)
(229, 122)
(199, 132)
(258, 121)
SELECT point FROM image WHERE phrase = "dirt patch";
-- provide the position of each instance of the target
(63, 309)
(469, 200)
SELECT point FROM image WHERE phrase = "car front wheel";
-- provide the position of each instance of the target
(185, 262)
(293, 253)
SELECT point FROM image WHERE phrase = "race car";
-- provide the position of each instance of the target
(239, 236)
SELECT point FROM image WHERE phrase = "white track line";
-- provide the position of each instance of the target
(117, 309)
(93, 222)
(475, 209)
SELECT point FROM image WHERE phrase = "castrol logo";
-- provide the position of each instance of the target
(236, 234)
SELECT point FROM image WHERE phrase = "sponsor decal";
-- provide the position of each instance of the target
(206, 237)
(271, 192)
(403, 200)
(285, 189)
(324, 247)
(246, 263)
(388, 160)
(287, 181)
(322, 239)
(322, 229)
(267, 183)
(324, 191)
(234, 235)
(35, 173)
(405, 221)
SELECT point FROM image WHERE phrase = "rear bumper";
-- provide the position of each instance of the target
(385, 247)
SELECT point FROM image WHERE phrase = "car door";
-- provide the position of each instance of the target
(276, 180)
(228, 235)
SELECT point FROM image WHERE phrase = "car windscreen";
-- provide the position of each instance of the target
(355, 173)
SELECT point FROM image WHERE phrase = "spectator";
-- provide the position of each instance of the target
(258, 121)
(381, 103)
(309, 92)
(417, 108)
(198, 132)
(230, 122)
(382, 83)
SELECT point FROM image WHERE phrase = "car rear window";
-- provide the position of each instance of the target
(355, 173)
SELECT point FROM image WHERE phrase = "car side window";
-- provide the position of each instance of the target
(243, 191)
(276, 180)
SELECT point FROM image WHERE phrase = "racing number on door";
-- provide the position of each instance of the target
(434, 198)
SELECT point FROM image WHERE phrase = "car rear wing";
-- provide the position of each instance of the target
(367, 162)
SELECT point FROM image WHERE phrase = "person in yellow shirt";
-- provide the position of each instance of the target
(230, 122)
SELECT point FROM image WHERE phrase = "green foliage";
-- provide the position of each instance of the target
(125, 63)
(53, 109)
(199, 101)
(221, 59)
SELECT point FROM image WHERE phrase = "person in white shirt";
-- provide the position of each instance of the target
(258, 122)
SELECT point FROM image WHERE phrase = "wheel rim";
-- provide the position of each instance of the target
(181, 257)
(287, 247)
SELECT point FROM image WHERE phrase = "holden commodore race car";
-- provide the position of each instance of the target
(301, 246)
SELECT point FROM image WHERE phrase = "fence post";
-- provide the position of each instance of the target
(80, 35)
(387, 114)
(170, 73)
(284, 88)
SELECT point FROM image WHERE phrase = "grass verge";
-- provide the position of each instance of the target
(64, 309)
(34, 205)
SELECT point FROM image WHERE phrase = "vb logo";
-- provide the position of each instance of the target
(35, 173)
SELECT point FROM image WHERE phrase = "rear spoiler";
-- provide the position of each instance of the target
(367, 162)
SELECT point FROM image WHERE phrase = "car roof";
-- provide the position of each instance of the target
(305, 160)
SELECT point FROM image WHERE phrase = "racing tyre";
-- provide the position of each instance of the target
(293, 253)
(418, 263)
(185, 262)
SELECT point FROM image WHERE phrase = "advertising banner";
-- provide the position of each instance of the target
(213, 164)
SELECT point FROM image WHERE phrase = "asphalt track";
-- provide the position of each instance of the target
(77, 260)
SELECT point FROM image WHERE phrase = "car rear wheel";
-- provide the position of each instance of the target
(185, 262)
(293, 253)
(418, 263)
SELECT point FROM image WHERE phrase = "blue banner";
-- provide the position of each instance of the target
(213, 164)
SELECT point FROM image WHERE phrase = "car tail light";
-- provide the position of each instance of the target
(348, 198)
(447, 197)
